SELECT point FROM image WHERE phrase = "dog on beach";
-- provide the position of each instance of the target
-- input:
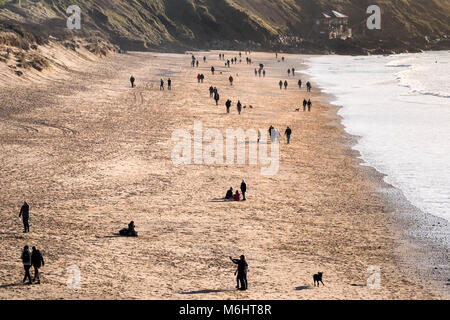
(297, 110)
(318, 278)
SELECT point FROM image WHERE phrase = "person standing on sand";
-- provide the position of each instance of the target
(204, 59)
(309, 105)
(228, 105)
(26, 260)
(242, 269)
(300, 84)
(281, 84)
(239, 107)
(212, 70)
(211, 91)
(288, 133)
(25, 214)
(37, 261)
(169, 84)
(216, 98)
(231, 80)
(285, 85)
(293, 72)
(243, 190)
(264, 73)
(304, 105)
(132, 80)
(308, 86)
(161, 86)
(271, 133)
(289, 72)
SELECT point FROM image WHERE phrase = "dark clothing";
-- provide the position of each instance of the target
(27, 273)
(26, 260)
(243, 190)
(241, 273)
(229, 194)
(132, 82)
(25, 214)
(36, 259)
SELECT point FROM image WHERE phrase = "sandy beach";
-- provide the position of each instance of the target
(90, 154)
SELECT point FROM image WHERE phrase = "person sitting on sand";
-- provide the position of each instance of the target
(229, 194)
(237, 196)
(130, 231)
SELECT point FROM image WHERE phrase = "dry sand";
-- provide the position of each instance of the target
(90, 154)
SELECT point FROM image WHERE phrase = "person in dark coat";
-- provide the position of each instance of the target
(242, 269)
(243, 190)
(228, 105)
(216, 98)
(25, 214)
(309, 105)
(288, 134)
(37, 261)
(239, 107)
(26, 260)
(132, 80)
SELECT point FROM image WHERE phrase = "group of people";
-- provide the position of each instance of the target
(161, 83)
(293, 72)
(169, 84)
(200, 78)
(281, 84)
(238, 106)
(32, 259)
(275, 134)
(214, 93)
(230, 196)
(307, 104)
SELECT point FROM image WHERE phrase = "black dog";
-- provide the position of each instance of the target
(318, 278)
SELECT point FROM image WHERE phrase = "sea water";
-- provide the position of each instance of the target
(399, 107)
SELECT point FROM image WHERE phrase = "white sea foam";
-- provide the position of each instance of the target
(400, 107)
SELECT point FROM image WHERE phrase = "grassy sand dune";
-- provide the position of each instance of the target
(91, 154)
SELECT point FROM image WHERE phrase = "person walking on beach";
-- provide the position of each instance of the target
(37, 261)
(211, 91)
(239, 107)
(169, 84)
(25, 214)
(161, 86)
(288, 133)
(243, 190)
(231, 80)
(281, 84)
(228, 105)
(202, 77)
(304, 105)
(26, 260)
(242, 269)
(308, 86)
(212, 70)
(216, 98)
(132, 80)
(271, 133)
(289, 72)
(285, 85)
(204, 59)
(309, 105)
(293, 72)
(264, 73)
(300, 84)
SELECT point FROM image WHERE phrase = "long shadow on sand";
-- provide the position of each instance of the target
(18, 284)
(206, 291)
(303, 288)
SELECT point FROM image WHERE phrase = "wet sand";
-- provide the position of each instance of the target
(90, 154)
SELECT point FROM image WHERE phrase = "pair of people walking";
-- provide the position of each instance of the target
(32, 259)
(241, 273)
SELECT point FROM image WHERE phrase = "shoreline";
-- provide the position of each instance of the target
(421, 237)
(318, 213)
